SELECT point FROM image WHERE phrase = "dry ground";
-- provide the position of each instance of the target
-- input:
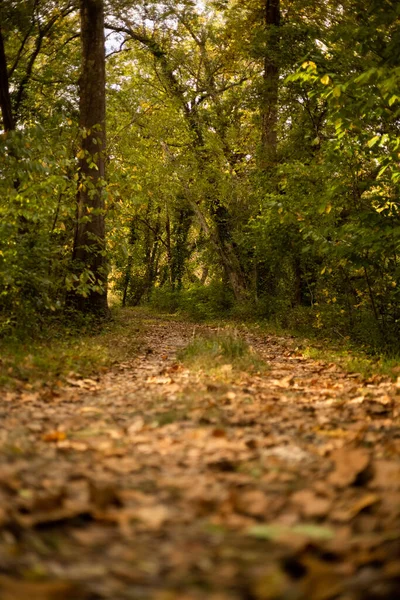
(158, 482)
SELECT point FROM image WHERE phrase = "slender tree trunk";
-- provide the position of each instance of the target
(228, 258)
(169, 248)
(269, 107)
(5, 100)
(89, 260)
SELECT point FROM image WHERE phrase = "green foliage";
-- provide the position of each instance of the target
(194, 225)
(353, 360)
(198, 302)
(213, 351)
(36, 213)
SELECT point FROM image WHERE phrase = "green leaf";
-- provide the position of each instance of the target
(337, 90)
(373, 141)
(382, 170)
(267, 532)
(314, 531)
(272, 532)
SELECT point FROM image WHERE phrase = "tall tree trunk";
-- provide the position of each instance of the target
(5, 100)
(269, 107)
(89, 246)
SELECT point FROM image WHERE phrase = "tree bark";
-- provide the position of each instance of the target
(269, 107)
(5, 100)
(89, 260)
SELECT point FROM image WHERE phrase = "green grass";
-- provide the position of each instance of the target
(351, 357)
(353, 360)
(211, 352)
(64, 349)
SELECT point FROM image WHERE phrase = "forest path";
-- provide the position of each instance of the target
(159, 482)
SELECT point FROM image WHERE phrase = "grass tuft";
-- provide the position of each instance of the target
(211, 352)
(354, 360)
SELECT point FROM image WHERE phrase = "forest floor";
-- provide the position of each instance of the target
(163, 481)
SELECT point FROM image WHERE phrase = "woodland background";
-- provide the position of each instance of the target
(251, 166)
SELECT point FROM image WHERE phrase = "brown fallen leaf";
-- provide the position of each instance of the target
(153, 516)
(321, 582)
(310, 504)
(273, 583)
(136, 426)
(12, 589)
(386, 475)
(54, 436)
(103, 493)
(91, 409)
(350, 463)
(3, 516)
(284, 383)
(218, 432)
(252, 502)
(345, 513)
(364, 502)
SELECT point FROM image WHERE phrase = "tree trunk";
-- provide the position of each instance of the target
(89, 260)
(5, 100)
(269, 107)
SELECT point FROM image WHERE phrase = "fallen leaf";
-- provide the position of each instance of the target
(54, 436)
(364, 502)
(274, 583)
(284, 383)
(153, 516)
(350, 463)
(3, 516)
(276, 531)
(91, 410)
(136, 426)
(386, 475)
(321, 582)
(252, 502)
(103, 493)
(13, 589)
(310, 504)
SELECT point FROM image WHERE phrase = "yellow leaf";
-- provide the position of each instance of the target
(309, 64)
(325, 79)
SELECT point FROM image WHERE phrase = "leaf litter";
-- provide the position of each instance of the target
(157, 480)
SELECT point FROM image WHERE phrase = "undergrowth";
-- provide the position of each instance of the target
(77, 347)
(355, 360)
(222, 351)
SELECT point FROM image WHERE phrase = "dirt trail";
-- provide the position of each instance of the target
(156, 482)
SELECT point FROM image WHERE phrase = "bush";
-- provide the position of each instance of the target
(198, 302)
